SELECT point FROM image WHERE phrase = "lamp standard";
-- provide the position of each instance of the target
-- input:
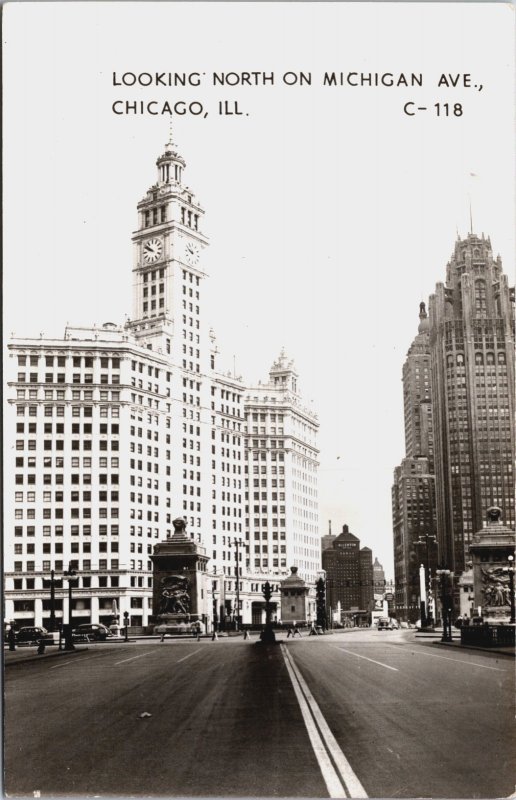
(510, 570)
(71, 576)
(446, 582)
(236, 543)
(52, 584)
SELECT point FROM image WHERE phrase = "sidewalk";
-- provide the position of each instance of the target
(503, 651)
(435, 637)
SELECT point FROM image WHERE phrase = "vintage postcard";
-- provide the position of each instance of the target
(258, 399)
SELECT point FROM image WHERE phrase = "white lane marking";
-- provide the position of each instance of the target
(352, 783)
(89, 658)
(458, 660)
(394, 669)
(188, 656)
(331, 779)
(133, 657)
(63, 664)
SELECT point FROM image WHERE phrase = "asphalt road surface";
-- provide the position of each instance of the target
(362, 714)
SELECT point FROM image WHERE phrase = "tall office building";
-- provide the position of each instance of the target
(349, 576)
(118, 429)
(413, 490)
(282, 510)
(472, 352)
(413, 516)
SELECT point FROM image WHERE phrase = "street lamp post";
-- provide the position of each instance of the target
(510, 570)
(51, 584)
(70, 575)
(446, 582)
(236, 544)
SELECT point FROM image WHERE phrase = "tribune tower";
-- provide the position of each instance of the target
(472, 357)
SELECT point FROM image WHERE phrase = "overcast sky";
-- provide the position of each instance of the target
(331, 213)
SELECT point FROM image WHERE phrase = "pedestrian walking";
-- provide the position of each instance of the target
(162, 637)
(41, 647)
(246, 634)
(11, 636)
(296, 630)
(214, 636)
(289, 632)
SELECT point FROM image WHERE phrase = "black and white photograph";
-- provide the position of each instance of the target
(259, 399)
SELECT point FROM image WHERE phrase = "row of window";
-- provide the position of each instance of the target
(46, 566)
(88, 362)
(104, 411)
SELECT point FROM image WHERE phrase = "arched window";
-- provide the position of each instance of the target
(449, 361)
(479, 358)
(480, 299)
(501, 358)
(460, 359)
(490, 359)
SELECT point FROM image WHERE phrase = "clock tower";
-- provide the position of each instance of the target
(167, 318)
(167, 264)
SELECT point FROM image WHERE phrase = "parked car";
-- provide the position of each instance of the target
(30, 634)
(93, 631)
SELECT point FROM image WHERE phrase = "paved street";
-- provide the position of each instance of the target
(363, 713)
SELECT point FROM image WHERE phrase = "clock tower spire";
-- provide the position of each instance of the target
(168, 249)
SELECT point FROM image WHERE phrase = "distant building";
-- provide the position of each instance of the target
(282, 514)
(378, 581)
(413, 515)
(413, 490)
(328, 539)
(349, 576)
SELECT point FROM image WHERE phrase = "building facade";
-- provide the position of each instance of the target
(472, 357)
(349, 577)
(378, 581)
(413, 490)
(115, 430)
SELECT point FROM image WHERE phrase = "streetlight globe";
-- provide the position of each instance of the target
(511, 558)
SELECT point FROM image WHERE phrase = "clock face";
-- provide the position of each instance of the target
(191, 253)
(152, 250)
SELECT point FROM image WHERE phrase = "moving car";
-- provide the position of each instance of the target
(384, 624)
(92, 631)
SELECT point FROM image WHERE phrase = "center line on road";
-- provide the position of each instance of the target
(133, 657)
(394, 669)
(458, 660)
(188, 656)
(322, 739)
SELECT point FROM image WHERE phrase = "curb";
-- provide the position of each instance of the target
(480, 649)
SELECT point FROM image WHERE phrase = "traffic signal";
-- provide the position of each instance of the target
(267, 591)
